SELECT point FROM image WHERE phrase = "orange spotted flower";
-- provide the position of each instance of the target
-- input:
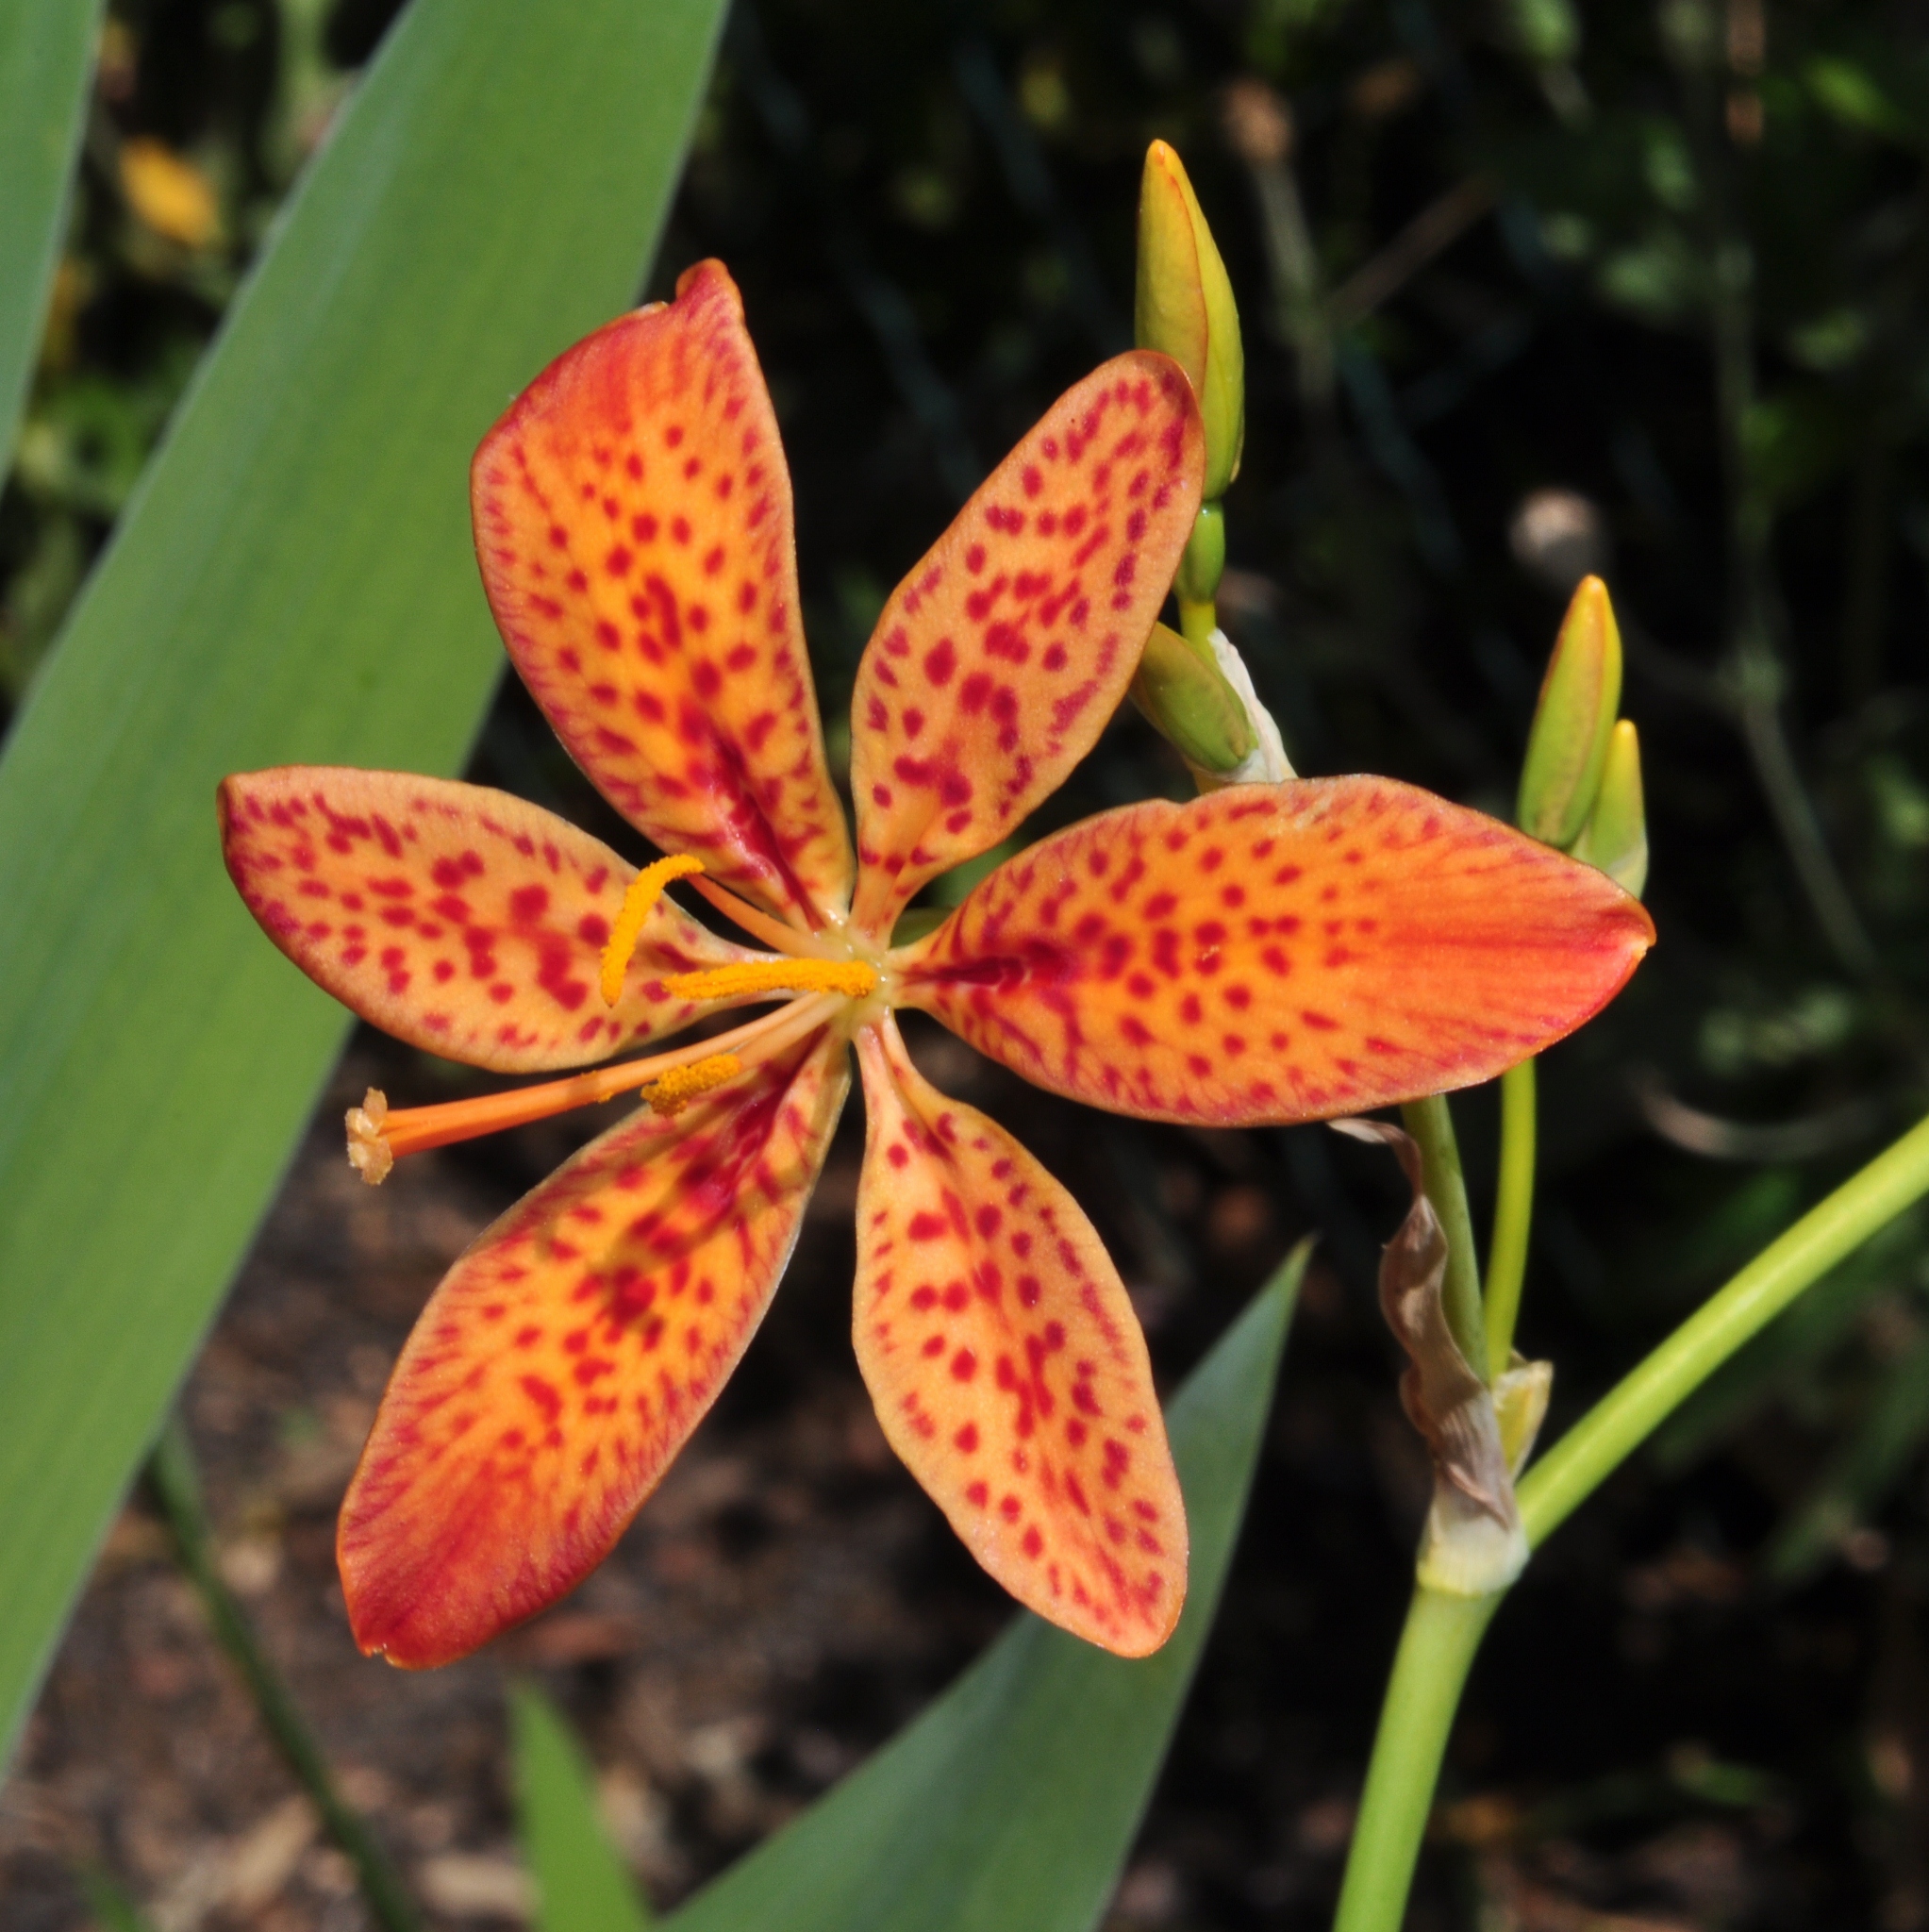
(1266, 954)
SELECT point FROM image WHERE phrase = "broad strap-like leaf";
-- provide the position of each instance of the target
(1013, 1800)
(46, 59)
(581, 1885)
(566, 1357)
(295, 581)
(633, 521)
(1007, 1364)
(1276, 953)
(457, 918)
(999, 659)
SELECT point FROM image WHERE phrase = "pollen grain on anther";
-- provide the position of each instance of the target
(852, 978)
(368, 1152)
(638, 901)
(681, 1084)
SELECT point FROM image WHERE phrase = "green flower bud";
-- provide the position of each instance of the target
(1615, 837)
(1184, 309)
(1201, 563)
(1186, 697)
(1568, 745)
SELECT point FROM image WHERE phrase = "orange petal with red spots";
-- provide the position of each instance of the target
(999, 659)
(1276, 953)
(457, 918)
(1007, 1366)
(566, 1357)
(633, 522)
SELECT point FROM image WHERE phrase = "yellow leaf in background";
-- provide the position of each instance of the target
(171, 195)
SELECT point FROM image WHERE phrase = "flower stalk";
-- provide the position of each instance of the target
(1443, 1631)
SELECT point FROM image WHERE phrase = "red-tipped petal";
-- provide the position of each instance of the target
(457, 918)
(1277, 953)
(999, 659)
(566, 1357)
(1007, 1366)
(633, 524)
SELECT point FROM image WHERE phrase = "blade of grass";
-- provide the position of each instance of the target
(1013, 1800)
(581, 1885)
(46, 57)
(109, 1905)
(293, 582)
(176, 1480)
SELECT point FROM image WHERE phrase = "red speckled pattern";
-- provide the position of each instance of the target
(999, 659)
(633, 522)
(1277, 953)
(457, 918)
(1007, 1366)
(565, 1359)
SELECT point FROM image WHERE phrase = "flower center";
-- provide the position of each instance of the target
(834, 985)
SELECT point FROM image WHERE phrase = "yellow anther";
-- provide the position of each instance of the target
(681, 1084)
(848, 977)
(368, 1152)
(644, 891)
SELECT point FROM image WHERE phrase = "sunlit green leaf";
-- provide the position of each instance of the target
(1847, 90)
(293, 582)
(47, 52)
(580, 1883)
(1012, 1802)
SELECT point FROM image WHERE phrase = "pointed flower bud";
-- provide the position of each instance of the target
(1615, 837)
(1184, 309)
(1187, 698)
(1203, 562)
(1568, 745)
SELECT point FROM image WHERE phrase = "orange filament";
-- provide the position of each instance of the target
(638, 904)
(378, 1139)
(851, 977)
(681, 1084)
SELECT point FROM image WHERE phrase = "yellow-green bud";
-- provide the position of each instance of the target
(1201, 563)
(1186, 697)
(1568, 745)
(1616, 835)
(1184, 309)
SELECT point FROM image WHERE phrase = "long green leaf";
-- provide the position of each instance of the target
(293, 582)
(1012, 1802)
(580, 1883)
(47, 55)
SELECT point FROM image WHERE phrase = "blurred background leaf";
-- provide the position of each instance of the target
(1015, 1797)
(581, 1885)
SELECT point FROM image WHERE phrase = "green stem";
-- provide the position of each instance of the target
(1513, 1215)
(1430, 1122)
(1623, 1419)
(1436, 1650)
(1443, 1632)
(1197, 622)
(176, 1485)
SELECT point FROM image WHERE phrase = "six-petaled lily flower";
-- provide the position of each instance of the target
(1267, 953)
